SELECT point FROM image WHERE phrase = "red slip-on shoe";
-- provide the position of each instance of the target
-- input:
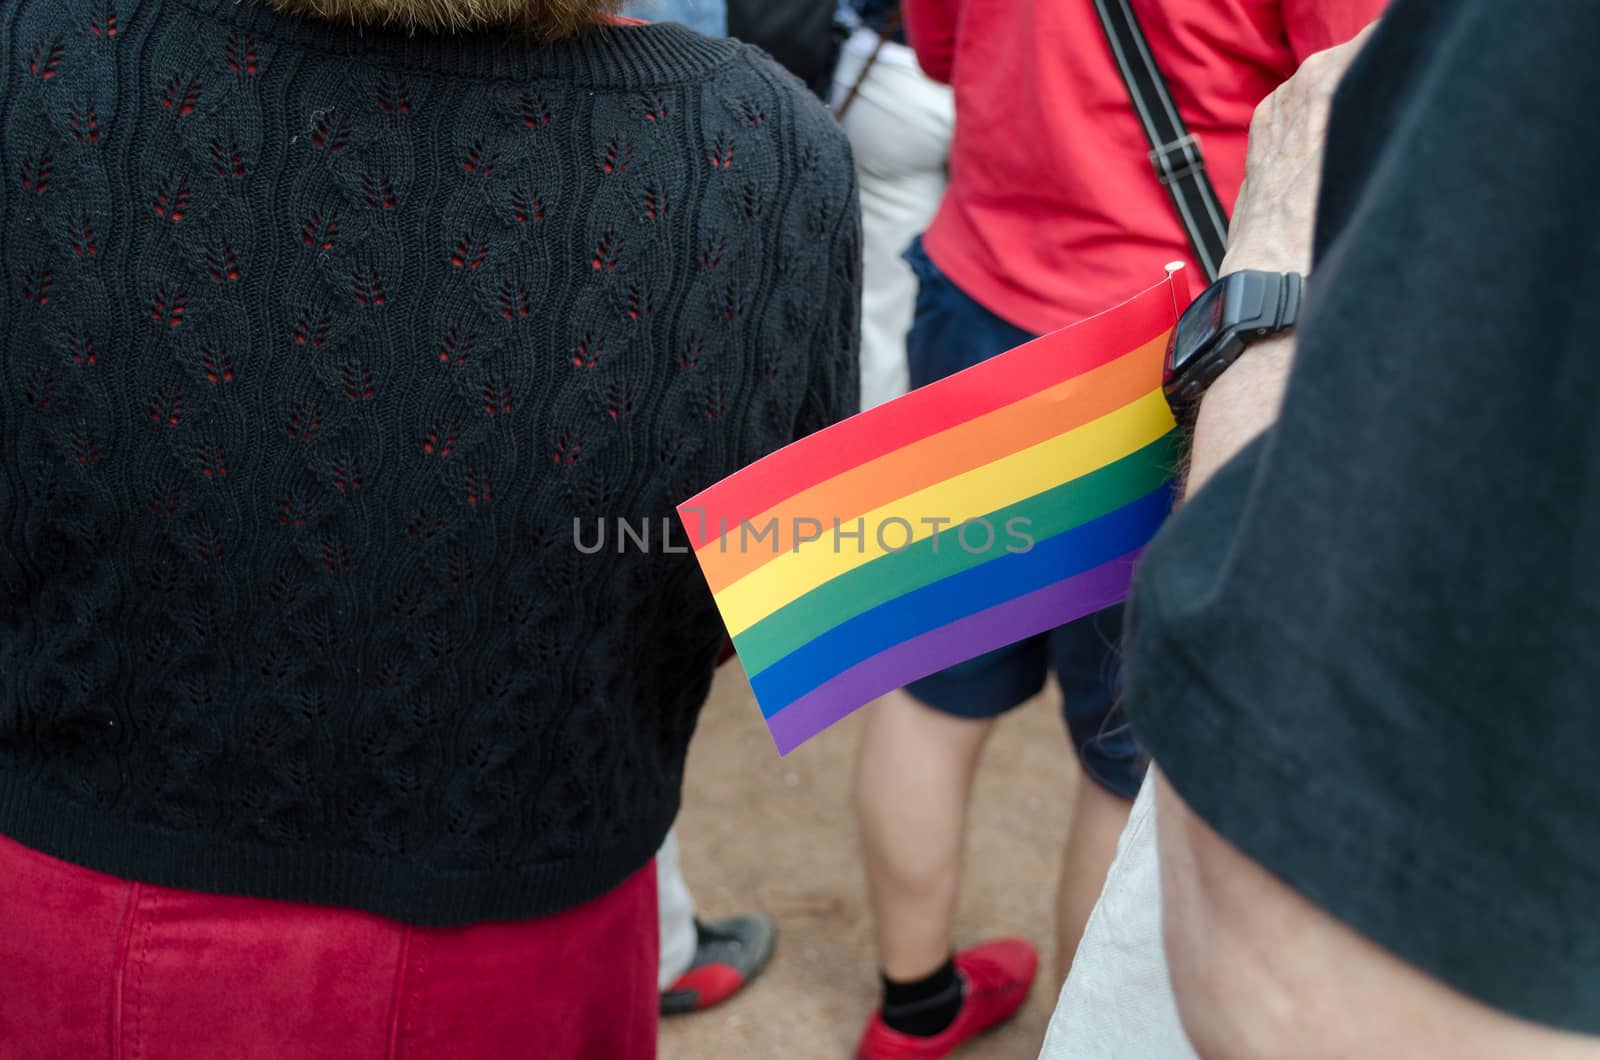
(996, 977)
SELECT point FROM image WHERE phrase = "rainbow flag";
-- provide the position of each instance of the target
(992, 505)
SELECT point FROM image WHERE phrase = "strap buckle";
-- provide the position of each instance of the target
(1178, 159)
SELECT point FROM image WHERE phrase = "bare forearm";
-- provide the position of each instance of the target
(1271, 230)
(1243, 402)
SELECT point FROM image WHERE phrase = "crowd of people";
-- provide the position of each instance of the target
(326, 320)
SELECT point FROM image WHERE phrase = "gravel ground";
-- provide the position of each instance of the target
(761, 831)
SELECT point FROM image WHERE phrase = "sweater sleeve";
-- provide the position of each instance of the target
(931, 28)
(1316, 25)
(833, 386)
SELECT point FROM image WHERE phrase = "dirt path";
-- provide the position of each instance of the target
(757, 830)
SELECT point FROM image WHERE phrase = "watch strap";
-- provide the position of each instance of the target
(1289, 297)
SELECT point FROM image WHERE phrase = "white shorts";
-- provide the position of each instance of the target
(1117, 1004)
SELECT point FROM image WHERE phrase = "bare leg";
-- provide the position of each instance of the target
(913, 778)
(1098, 818)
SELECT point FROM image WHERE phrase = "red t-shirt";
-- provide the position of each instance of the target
(1054, 211)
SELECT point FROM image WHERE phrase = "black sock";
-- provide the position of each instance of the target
(924, 1007)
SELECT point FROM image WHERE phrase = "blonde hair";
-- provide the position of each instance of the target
(546, 19)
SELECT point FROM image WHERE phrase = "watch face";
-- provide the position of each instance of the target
(1197, 328)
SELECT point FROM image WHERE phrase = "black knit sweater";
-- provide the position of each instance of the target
(313, 346)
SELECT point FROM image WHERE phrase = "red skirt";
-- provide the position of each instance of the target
(93, 966)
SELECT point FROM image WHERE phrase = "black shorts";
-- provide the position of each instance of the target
(951, 332)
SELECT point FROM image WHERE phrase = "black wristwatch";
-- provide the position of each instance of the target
(1240, 308)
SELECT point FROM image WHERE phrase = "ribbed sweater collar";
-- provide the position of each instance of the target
(611, 56)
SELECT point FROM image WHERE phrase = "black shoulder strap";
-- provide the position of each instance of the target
(891, 26)
(1174, 152)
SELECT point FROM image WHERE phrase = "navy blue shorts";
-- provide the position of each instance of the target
(950, 332)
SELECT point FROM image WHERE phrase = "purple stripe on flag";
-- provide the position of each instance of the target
(966, 638)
